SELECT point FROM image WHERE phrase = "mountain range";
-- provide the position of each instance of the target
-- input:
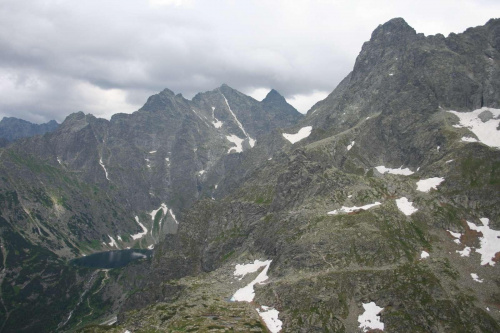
(378, 210)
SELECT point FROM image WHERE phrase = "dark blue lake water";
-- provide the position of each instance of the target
(112, 259)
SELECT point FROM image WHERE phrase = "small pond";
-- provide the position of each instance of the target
(112, 259)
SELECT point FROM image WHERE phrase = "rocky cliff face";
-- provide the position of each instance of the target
(381, 194)
(94, 184)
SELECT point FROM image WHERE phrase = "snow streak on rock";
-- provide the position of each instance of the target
(104, 167)
(173, 216)
(405, 172)
(238, 123)
(140, 234)
(303, 133)
(353, 209)
(113, 242)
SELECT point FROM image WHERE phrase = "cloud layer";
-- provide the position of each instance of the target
(104, 57)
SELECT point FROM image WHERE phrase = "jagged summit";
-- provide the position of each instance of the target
(272, 96)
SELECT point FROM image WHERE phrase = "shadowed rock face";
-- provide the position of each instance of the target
(12, 129)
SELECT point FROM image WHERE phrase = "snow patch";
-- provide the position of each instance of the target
(370, 319)
(59, 160)
(345, 209)
(490, 243)
(201, 172)
(405, 206)
(405, 172)
(424, 255)
(140, 234)
(113, 242)
(270, 317)
(465, 252)
(240, 270)
(151, 247)
(476, 278)
(217, 123)
(251, 142)
(425, 185)
(449, 161)
(237, 141)
(484, 127)
(104, 167)
(119, 238)
(303, 133)
(152, 151)
(351, 145)
(247, 294)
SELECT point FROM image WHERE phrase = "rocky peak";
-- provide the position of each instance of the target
(273, 97)
(395, 26)
(12, 128)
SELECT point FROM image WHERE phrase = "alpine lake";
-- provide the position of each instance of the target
(112, 259)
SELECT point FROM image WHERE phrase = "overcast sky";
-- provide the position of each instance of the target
(107, 56)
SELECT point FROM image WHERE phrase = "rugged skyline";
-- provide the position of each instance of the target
(104, 58)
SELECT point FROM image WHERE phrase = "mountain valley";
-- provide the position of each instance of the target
(376, 211)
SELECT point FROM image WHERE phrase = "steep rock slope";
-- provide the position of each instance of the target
(94, 185)
(382, 200)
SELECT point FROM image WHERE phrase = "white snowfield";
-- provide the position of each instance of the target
(247, 294)
(425, 185)
(345, 209)
(270, 317)
(404, 172)
(424, 255)
(476, 278)
(490, 243)
(303, 133)
(405, 206)
(370, 319)
(140, 234)
(237, 141)
(351, 145)
(486, 132)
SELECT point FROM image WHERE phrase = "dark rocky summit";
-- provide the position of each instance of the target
(216, 183)
(12, 129)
